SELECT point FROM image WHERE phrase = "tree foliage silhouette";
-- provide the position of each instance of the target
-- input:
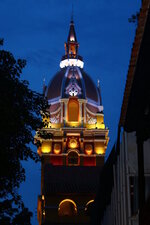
(19, 115)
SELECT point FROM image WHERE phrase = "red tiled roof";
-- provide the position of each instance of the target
(134, 57)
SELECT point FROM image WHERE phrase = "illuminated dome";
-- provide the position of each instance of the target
(72, 141)
(72, 80)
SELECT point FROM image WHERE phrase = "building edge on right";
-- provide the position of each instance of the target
(124, 197)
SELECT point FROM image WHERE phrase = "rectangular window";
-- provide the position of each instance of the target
(134, 194)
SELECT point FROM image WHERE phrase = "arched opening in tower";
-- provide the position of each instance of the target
(73, 158)
(67, 207)
(89, 207)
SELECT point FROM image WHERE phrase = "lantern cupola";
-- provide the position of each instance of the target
(71, 46)
(71, 57)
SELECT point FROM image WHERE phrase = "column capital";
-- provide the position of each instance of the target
(65, 100)
(82, 100)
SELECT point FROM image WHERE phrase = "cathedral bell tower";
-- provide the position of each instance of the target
(72, 145)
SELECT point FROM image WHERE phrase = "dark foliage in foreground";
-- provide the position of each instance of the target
(134, 18)
(19, 115)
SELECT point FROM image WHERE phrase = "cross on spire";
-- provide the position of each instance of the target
(72, 13)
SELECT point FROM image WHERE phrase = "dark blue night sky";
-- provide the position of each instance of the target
(36, 31)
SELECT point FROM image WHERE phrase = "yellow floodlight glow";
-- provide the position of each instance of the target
(73, 143)
(46, 147)
(99, 150)
(88, 149)
(100, 125)
(57, 149)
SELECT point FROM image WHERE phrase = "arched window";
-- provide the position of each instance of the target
(67, 207)
(73, 110)
(73, 158)
(89, 207)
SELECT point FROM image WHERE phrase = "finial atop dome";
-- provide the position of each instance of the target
(44, 86)
(71, 57)
(99, 91)
(72, 13)
(98, 83)
(72, 33)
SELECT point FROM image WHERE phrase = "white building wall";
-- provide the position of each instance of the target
(119, 210)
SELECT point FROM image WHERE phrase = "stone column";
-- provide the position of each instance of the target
(85, 112)
(80, 112)
(65, 110)
(61, 105)
(82, 103)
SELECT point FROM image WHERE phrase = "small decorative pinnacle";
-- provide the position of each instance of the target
(44, 81)
(44, 86)
(98, 83)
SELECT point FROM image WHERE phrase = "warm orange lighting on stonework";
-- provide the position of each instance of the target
(100, 125)
(67, 207)
(46, 147)
(73, 124)
(88, 149)
(73, 110)
(99, 150)
(89, 161)
(91, 201)
(73, 143)
(57, 149)
(43, 212)
(89, 207)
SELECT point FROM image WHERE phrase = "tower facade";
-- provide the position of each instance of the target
(72, 143)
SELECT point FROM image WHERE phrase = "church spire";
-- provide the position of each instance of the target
(72, 33)
(71, 57)
(71, 46)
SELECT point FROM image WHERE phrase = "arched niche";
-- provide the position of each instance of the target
(89, 207)
(73, 158)
(73, 110)
(67, 207)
